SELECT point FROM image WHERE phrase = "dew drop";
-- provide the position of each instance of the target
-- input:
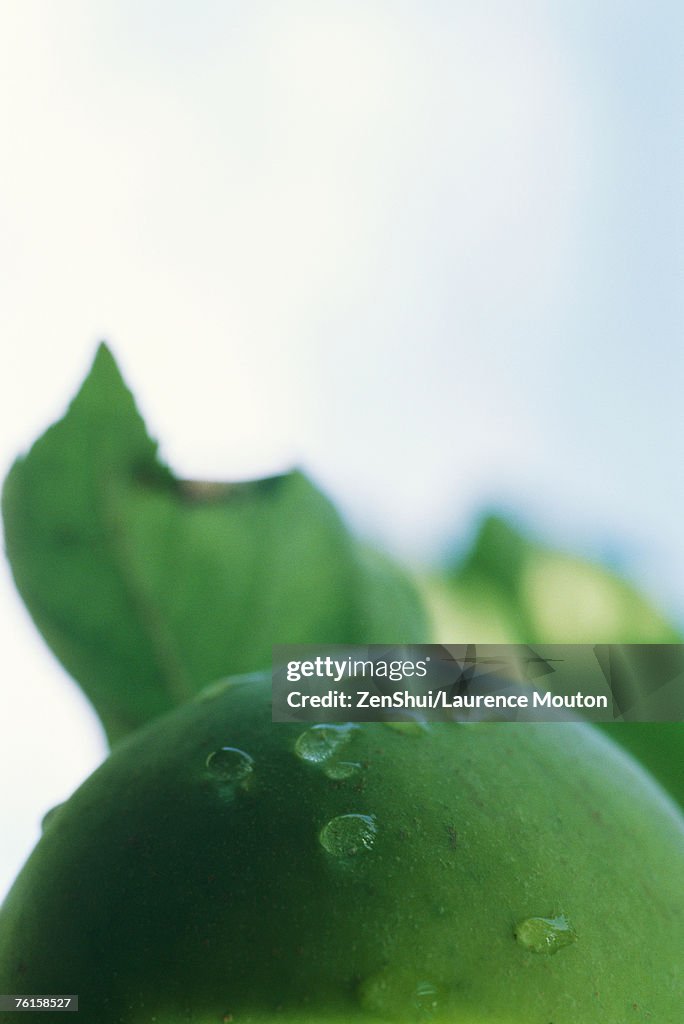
(545, 934)
(425, 997)
(341, 769)
(376, 995)
(391, 994)
(349, 834)
(50, 816)
(415, 728)
(320, 742)
(230, 765)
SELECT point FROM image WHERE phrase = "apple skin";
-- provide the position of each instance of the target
(659, 746)
(163, 892)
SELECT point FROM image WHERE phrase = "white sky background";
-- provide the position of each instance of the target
(431, 251)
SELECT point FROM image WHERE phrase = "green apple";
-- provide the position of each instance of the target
(659, 746)
(220, 867)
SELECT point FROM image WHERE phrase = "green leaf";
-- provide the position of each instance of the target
(147, 587)
(546, 596)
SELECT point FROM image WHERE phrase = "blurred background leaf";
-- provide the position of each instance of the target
(524, 591)
(510, 588)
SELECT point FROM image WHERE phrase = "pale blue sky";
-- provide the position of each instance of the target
(430, 250)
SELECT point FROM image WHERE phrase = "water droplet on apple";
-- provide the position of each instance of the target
(375, 994)
(349, 834)
(230, 765)
(342, 769)
(390, 994)
(49, 816)
(425, 997)
(545, 934)
(320, 742)
(415, 728)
